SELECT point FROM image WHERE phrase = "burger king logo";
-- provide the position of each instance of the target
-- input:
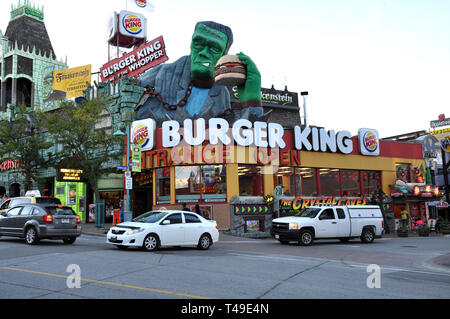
(142, 134)
(132, 23)
(369, 143)
(141, 3)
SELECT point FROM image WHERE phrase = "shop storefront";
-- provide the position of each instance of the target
(256, 162)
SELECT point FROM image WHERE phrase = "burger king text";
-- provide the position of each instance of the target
(242, 133)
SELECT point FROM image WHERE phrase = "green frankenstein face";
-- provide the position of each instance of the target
(207, 47)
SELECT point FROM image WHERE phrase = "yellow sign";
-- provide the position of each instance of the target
(436, 132)
(73, 175)
(445, 143)
(72, 81)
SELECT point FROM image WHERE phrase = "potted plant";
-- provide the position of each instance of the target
(424, 230)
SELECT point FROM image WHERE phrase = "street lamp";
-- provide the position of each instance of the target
(127, 215)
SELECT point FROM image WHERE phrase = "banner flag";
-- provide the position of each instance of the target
(143, 5)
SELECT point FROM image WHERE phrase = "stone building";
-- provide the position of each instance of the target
(27, 61)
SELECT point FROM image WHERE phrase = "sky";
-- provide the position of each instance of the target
(382, 64)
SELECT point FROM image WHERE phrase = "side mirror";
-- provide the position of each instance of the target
(166, 222)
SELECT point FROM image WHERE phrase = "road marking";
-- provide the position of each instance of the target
(105, 283)
(406, 270)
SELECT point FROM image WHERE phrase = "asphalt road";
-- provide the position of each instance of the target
(233, 269)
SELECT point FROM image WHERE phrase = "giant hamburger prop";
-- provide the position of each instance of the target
(230, 71)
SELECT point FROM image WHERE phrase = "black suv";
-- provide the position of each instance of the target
(41, 221)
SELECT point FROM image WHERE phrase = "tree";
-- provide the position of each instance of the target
(86, 145)
(24, 141)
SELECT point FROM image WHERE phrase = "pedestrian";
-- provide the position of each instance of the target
(419, 223)
(185, 209)
(197, 210)
(437, 226)
(404, 222)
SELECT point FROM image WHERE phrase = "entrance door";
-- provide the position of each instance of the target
(143, 199)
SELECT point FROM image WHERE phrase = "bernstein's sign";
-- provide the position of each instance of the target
(137, 61)
(270, 97)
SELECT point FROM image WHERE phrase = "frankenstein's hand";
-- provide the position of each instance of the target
(251, 90)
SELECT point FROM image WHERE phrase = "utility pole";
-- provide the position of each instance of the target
(305, 117)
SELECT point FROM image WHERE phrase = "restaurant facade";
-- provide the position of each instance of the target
(254, 160)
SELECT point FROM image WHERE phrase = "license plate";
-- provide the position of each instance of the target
(65, 221)
(277, 236)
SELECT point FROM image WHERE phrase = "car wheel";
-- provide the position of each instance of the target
(69, 240)
(31, 236)
(367, 235)
(204, 242)
(151, 242)
(306, 238)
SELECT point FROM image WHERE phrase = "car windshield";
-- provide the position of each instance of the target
(308, 212)
(150, 217)
(60, 211)
(48, 200)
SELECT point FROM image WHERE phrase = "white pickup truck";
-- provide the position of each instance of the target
(330, 222)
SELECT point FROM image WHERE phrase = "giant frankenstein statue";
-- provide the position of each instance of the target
(186, 88)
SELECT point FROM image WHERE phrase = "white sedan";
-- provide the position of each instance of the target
(157, 229)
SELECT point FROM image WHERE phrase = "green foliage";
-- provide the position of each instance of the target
(23, 140)
(85, 143)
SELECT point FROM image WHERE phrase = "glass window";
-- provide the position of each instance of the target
(18, 201)
(187, 183)
(150, 217)
(60, 211)
(14, 211)
(284, 176)
(371, 181)
(350, 183)
(214, 183)
(327, 214)
(163, 185)
(191, 219)
(329, 182)
(48, 200)
(5, 205)
(305, 181)
(340, 213)
(175, 219)
(250, 180)
(26, 211)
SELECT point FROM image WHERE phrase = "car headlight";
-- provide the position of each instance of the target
(135, 231)
(293, 226)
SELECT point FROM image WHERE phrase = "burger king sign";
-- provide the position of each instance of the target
(142, 134)
(369, 142)
(133, 24)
